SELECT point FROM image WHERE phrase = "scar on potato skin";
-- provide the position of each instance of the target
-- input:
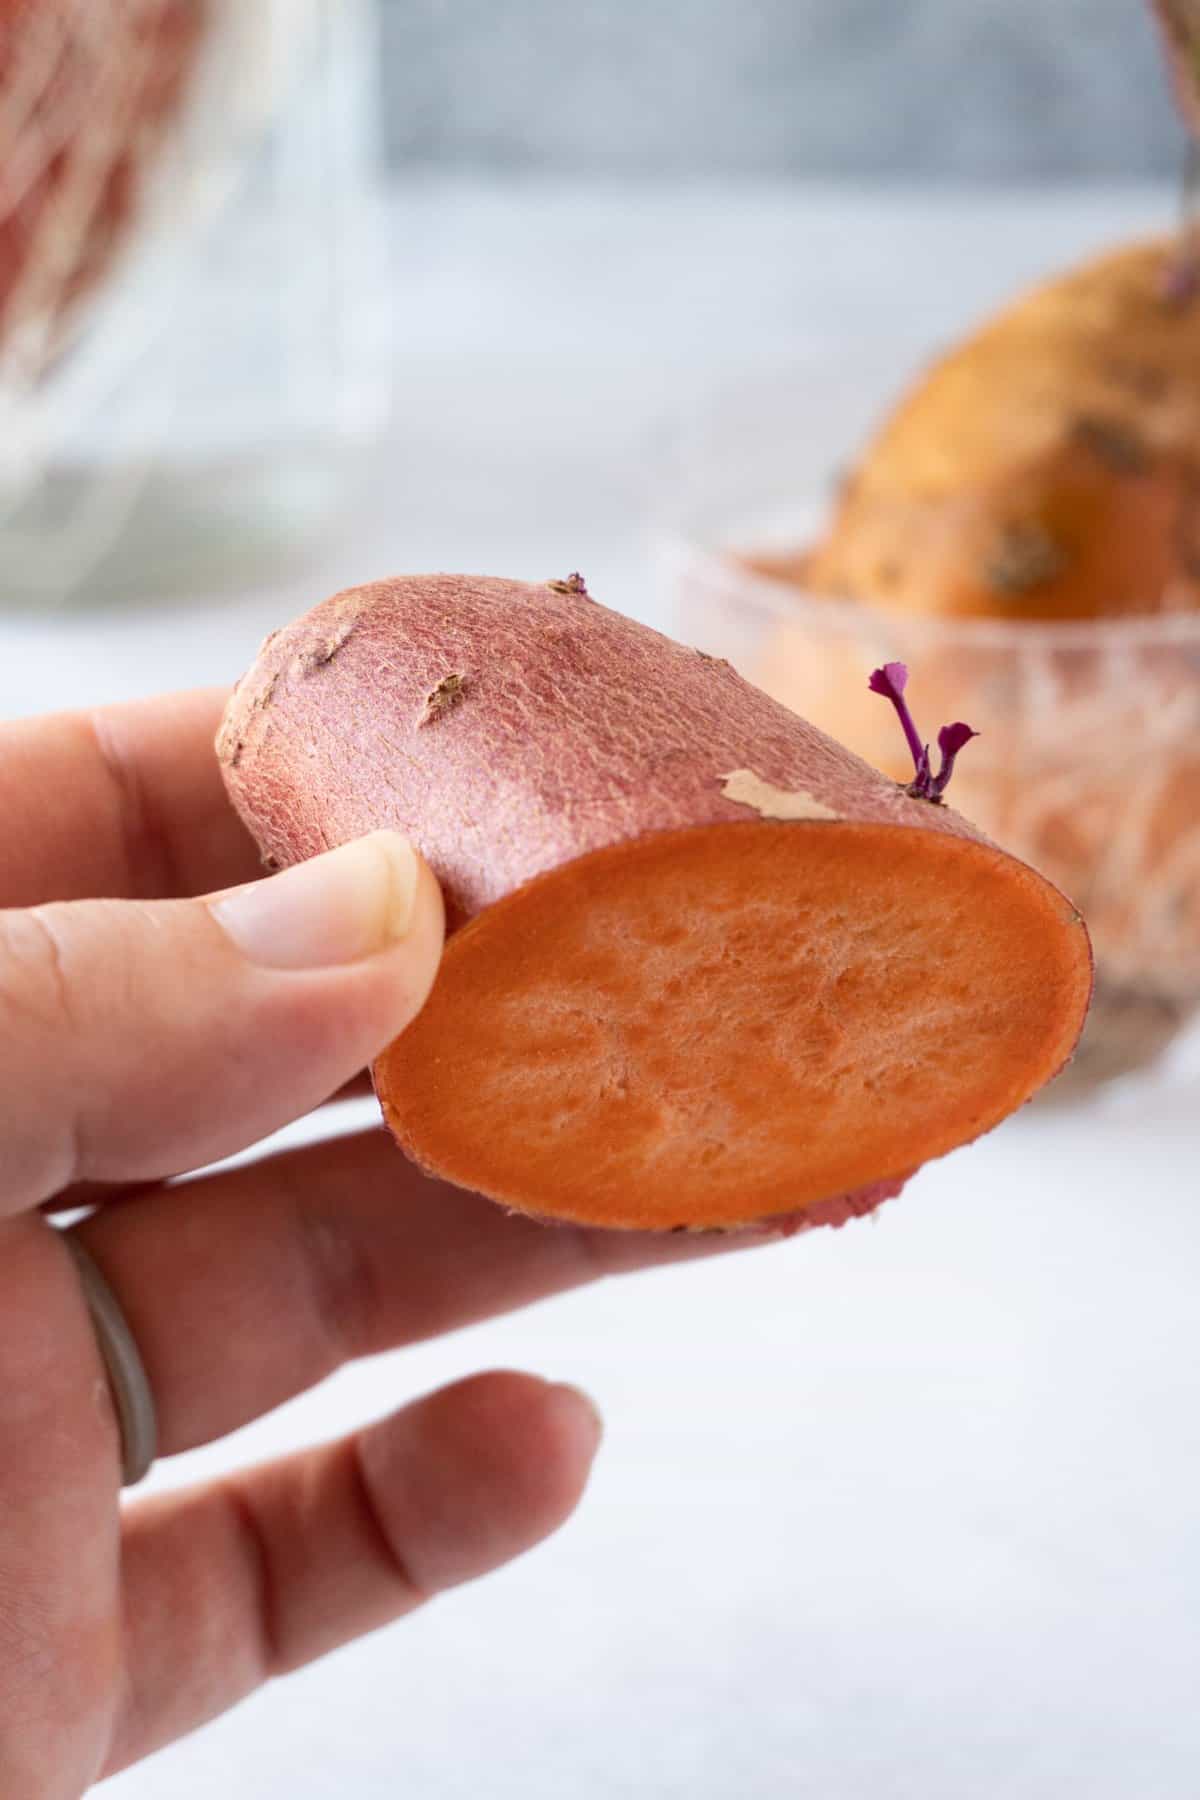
(317, 655)
(746, 788)
(231, 742)
(1023, 557)
(442, 698)
(1115, 444)
(265, 695)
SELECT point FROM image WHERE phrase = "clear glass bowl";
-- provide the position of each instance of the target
(1088, 760)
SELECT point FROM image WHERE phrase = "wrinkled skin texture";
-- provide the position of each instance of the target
(327, 737)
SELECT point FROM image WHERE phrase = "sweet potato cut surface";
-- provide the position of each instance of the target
(740, 1017)
(705, 966)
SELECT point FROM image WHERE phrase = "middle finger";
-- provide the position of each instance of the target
(107, 1193)
(249, 1286)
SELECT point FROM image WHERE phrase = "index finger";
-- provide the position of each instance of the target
(122, 802)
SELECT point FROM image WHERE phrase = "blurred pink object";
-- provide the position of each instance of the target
(88, 92)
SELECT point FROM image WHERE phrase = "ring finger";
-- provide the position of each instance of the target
(249, 1286)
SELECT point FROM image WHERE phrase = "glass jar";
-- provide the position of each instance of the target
(192, 295)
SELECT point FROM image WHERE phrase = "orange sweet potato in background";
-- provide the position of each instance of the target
(705, 965)
(1047, 468)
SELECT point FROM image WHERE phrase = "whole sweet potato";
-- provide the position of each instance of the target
(705, 966)
(1047, 468)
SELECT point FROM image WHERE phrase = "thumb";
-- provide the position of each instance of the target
(141, 1038)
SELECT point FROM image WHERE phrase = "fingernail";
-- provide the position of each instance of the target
(586, 1401)
(338, 908)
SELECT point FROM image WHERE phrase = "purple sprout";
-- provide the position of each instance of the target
(891, 681)
(951, 739)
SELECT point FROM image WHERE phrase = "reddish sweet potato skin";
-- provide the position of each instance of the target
(509, 727)
(512, 728)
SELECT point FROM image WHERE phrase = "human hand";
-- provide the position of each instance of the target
(145, 1033)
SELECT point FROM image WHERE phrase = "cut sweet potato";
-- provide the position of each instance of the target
(705, 966)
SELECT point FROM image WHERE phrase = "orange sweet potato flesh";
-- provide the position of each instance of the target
(1047, 468)
(705, 966)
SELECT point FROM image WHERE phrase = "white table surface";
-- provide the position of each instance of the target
(905, 1512)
